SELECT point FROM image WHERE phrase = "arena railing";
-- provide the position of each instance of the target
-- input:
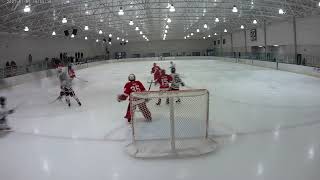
(11, 71)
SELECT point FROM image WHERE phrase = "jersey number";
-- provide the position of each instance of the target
(135, 88)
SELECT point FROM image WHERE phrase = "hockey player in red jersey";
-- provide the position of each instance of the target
(130, 87)
(71, 72)
(155, 71)
(164, 80)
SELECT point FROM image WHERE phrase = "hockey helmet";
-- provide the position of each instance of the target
(2, 100)
(131, 77)
(154, 64)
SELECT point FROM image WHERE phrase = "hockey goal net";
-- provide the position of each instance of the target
(178, 127)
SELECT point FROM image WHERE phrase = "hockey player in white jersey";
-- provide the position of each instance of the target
(176, 82)
(66, 87)
(3, 115)
(172, 65)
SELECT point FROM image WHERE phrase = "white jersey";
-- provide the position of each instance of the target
(65, 80)
(176, 81)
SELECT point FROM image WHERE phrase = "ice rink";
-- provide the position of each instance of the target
(266, 122)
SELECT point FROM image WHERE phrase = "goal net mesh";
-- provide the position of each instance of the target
(176, 127)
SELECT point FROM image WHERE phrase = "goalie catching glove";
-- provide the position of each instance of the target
(121, 97)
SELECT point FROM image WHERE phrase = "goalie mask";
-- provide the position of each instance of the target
(131, 77)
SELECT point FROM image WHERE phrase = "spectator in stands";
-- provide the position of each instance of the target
(13, 68)
(8, 69)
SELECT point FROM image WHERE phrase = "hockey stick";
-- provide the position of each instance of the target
(150, 85)
(82, 80)
(55, 100)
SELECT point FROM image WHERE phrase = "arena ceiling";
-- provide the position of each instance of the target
(150, 16)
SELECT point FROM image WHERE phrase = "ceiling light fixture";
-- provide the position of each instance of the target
(86, 28)
(172, 9)
(281, 11)
(131, 23)
(242, 27)
(165, 31)
(110, 35)
(198, 30)
(121, 12)
(191, 34)
(235, 9)
(97, 40)
(26, 29)
(217, 20)
(26, 9)
(64, 20)
(168, 20)
(54, 33)
(141, 32)
(225, 30)
(205, 26)
(137, 28)
(167, 27)
(86, 38)
(72, 35)
(255, 22)
(100, 32)
(118, 38)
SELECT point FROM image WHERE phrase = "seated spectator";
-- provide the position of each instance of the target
(13, 68)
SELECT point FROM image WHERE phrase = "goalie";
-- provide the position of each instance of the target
(130, 87)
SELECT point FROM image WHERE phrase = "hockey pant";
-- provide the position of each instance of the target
(143, 108)
(68, 92)
(159, 100)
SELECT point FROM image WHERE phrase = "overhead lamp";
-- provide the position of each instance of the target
(225, 30)
(275, 45)
(209, 36)
(137, 28)
(185, 37)
(86, 28)
(319, 4)
(127, 41)
(72, 35)
(131, 23)
(167, 27)
(87, 12)
(165, 35)
(27, 9)
(191, 34)
(86, 38)
(172, 9)
(118, 38)
(215, 34)
(198, 30)
(188, 36)
(122, 39)
(110, 35)
(64, 20)
(242, 27)
(235, 9)
(168, 20)
(204, 37)
(97, 40)
(54, 33)
(85, 5)
(110, 42)
(205, 26)
(144, 36)
(217, 20)
(281, 11)
(100, 32)
(165, 31)
(101, 20)
(141, 32)
(255, 22)
(121, 12)
(26, 29)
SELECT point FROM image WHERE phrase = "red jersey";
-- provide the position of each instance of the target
(164, 81)
(155, 69)
(71, 73)
(133, 86)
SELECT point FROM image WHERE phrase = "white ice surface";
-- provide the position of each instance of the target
(268, 122)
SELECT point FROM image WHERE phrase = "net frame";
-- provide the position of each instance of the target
(196, 146)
